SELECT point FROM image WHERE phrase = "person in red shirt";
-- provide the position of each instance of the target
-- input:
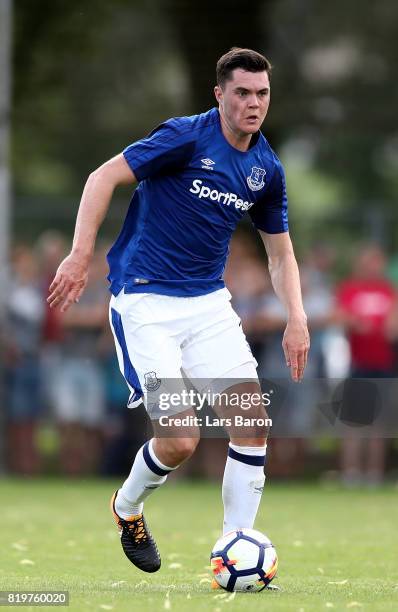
(365, 304)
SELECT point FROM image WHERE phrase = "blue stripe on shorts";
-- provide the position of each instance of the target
(129, 372)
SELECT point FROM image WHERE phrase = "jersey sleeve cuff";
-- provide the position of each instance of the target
(133, 164)
(272, 230)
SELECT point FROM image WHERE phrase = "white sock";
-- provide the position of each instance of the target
(147, 474)
(242, 485)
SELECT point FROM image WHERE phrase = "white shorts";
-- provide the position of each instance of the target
(160, 340)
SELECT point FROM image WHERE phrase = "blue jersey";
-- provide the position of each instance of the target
(194, 187)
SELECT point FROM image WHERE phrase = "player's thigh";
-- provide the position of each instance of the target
(219, 360)
(218, 345)
(149, 356)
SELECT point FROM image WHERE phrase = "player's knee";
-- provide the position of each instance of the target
(179, 449)
(262, 431)
(254, 427)
(186, 447)
(261, 422)
(260, 434)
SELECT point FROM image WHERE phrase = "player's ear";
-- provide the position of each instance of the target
(218, 94)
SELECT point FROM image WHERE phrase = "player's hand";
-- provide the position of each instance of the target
(296, 344)
(69, 283)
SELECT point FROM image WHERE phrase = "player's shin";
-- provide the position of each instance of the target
(243, 485)
(147, 474)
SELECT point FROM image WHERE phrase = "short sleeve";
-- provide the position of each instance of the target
(169, 147)
(269, 213)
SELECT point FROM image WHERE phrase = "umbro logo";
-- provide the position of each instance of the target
(207, 163)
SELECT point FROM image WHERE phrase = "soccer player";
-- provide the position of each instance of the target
(170, 311)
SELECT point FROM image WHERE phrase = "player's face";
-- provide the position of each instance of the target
(244, 101)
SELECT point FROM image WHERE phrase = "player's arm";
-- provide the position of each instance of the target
(71, 277)
(286, 282)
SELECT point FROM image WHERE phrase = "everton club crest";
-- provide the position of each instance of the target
(152, 382)
(256, 178)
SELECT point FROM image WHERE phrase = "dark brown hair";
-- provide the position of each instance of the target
(246, 59)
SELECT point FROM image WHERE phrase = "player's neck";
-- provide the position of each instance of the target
(238, 140)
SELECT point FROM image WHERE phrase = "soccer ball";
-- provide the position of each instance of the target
(244, 560)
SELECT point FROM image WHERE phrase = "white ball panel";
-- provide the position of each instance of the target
(245, 554)
(222, 577)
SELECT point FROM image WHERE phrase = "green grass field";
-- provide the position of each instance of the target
(337, 549)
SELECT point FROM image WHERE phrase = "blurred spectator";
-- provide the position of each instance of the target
(392, 273)
(365, 303)
(296, 416)
(80, 401)
(50, 249)
(22, 339)
(392, 270)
